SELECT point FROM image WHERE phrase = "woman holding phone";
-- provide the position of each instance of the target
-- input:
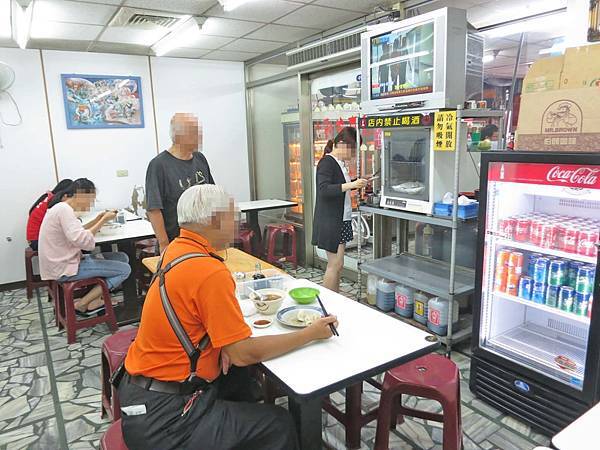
(332, 225)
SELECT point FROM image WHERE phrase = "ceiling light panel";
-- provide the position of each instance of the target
(5, 29)
(218, 26)
(208, 42)
(256, 10)
(283, 33)
(60, 30)
(73, 12)
(177, 6)
(318, 17)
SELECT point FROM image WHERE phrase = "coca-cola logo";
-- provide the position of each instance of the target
(583, 175)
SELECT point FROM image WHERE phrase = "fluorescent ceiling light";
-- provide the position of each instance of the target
(557, 47)
(186, 33)
(22, 23)
(542, 23)
(488, 58)
(230, 5)
(5, 28)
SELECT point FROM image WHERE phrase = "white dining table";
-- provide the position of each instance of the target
(368, 344)
(582, 434)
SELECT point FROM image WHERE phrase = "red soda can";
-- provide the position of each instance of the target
(587, 242)
(502, 257)
(534, 232)
(522, 230)
(515, 262)
(500, 278)
(570, 239)
(506, 227)
(561, 229)
(547, 235)
(512, 284)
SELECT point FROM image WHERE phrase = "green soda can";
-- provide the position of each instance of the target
(573, 269)
(585, 280)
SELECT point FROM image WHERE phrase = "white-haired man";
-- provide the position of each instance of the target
(172, 172)
(163, 405)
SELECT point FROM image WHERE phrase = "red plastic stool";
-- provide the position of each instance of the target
(285, 230)
(32, 281)
(245, 238)
(114, 350)
(431, 376)
(63, 295)
(113, 438)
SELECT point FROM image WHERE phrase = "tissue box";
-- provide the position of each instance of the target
(464, 211)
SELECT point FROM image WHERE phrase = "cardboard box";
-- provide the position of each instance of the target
(566, 119)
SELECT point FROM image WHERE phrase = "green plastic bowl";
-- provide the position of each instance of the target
(304, 295)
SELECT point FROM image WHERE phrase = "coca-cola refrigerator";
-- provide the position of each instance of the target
(536, 330)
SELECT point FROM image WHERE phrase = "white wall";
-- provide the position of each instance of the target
(214, 91)
(26, 159)
(97, 154)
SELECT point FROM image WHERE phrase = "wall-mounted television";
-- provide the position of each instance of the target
(421, 59)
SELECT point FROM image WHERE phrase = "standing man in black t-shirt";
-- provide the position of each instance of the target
(173, 171)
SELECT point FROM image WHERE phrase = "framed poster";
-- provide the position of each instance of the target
(102, 101)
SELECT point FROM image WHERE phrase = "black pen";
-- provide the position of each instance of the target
(325, 314)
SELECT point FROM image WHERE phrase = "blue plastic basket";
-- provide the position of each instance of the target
(464, 211)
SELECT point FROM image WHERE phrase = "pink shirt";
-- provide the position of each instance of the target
(62, 237)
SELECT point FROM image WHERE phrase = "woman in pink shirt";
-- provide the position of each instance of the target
(63, 237)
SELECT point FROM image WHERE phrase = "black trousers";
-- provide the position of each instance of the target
(220, 419)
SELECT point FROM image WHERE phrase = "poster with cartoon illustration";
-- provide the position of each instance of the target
(102, 101)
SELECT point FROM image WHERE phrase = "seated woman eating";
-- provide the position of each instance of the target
(63, 237)
(38, 211)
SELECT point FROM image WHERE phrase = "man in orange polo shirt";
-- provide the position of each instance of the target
(162, 408)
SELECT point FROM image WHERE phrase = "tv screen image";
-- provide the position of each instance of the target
(402, 62)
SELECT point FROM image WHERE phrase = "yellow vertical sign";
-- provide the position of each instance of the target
(444, 131)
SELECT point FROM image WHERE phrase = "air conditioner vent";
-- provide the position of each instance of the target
(327, 49)
(140, 19)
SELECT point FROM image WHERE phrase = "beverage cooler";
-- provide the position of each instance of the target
(293, 169)
(536, 331)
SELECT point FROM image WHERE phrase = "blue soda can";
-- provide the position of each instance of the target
(540, 270)
(531, 264)
(573, 269)
(585, 280)
(552, 296)
(525, 287)
(581, 303)
(557, 273)
(538, 294)
(566, 298)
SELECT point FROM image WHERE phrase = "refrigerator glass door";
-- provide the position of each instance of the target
(541, 227)
(406, 163)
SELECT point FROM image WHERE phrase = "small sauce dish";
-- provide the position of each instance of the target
(262, 323)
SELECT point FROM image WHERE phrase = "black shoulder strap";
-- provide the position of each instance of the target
(193, 352)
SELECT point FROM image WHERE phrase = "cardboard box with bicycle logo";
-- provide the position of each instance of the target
(560, 103)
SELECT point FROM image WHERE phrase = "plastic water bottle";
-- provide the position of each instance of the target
(437, 315)
(420, 308)
(405, 300)
(385, 295)
(371, 289)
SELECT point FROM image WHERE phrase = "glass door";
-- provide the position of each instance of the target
(539, 266)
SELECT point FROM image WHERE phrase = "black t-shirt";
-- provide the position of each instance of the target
(166, 179)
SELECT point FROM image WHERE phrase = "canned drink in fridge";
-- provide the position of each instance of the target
(581, 303)
(538, 293)
(585, 280)
(540, 270)
(502, 257)
(506, 227)
(525, 287)
(522, 229)
(566, 297)
(531, 264)
(573, 270)
(534, 231)
(587, 242)
(552, 296)
(557, 273)
(512, 284)
(515, 262)
(500, 278)
(547, 235)
(590, 307)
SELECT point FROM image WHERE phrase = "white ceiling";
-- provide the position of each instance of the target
(257, 27)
